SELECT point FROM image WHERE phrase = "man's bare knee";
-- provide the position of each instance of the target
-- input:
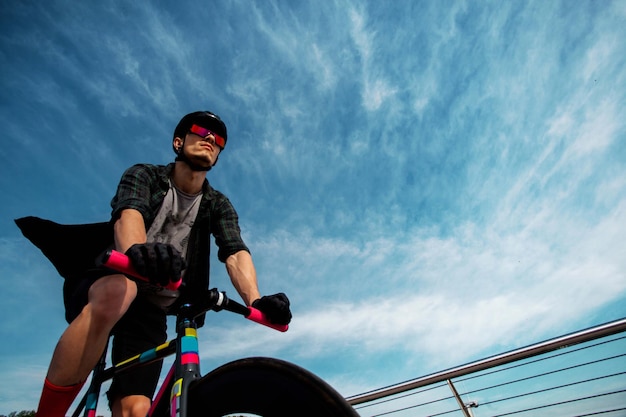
(131, 406)
(110, 297)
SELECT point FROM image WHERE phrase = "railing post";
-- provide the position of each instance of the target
(458, 399)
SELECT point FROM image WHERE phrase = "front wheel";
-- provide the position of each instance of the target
(265, 387)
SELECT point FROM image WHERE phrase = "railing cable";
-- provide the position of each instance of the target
(552, 388)
(545, 374)
(561, 403)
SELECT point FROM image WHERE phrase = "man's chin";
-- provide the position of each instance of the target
(197, 164)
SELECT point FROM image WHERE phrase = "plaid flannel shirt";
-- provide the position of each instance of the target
(143, 187)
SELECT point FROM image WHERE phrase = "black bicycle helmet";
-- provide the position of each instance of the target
(205, 119)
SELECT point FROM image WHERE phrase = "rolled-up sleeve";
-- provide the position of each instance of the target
(133, 192)
(226, 230)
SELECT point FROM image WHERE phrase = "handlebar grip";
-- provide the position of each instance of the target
(121, 263)
(258, 317)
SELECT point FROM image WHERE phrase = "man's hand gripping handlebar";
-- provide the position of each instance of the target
(121, 263)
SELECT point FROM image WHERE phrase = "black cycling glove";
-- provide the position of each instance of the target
(159, 262)
(275, 307)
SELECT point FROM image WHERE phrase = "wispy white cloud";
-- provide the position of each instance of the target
(477, 290)
(375, 88)
(360, 36)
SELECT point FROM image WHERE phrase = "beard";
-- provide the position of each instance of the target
(195, 163)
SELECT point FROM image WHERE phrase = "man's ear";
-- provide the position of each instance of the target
(178, 144)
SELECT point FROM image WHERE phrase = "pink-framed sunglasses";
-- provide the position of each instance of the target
(204, 132)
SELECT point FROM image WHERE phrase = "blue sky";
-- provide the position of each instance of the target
(431, 182)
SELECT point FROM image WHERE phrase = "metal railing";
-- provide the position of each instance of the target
(579, 374)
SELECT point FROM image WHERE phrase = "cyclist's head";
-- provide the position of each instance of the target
(197, 122)
(204, 119)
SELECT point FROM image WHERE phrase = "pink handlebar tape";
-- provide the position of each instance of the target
(120, 262)
(258, 317)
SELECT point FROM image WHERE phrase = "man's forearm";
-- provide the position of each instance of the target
(129, 229)
(242, 274)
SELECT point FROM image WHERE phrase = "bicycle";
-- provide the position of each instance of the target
(257, 385)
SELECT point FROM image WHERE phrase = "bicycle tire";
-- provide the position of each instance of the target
(266, 387)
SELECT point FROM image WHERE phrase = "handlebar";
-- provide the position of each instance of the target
(121, 263)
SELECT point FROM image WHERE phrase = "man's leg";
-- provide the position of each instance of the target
(143, 327)
(83, 342)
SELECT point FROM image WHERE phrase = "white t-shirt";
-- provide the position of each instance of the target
(172, 225)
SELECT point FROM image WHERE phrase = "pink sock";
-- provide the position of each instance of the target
(55, 400)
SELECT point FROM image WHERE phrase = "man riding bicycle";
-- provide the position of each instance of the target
(162, 218)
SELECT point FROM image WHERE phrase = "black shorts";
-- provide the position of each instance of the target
(143, 327)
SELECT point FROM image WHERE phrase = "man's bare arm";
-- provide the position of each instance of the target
(129, 229)
(242, 274)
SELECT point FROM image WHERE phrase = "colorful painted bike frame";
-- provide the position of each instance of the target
(257, 386)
